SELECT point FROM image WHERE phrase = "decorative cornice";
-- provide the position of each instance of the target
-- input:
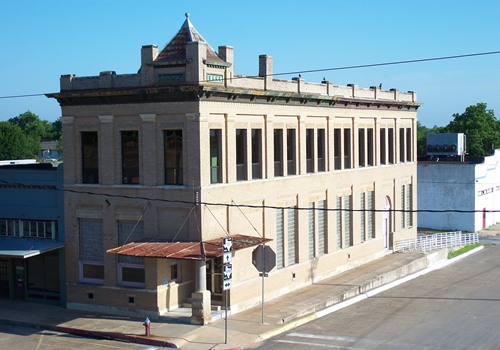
(185, 93)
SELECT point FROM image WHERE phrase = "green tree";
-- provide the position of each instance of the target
(33, 128)
(13, 143)
(481, 128)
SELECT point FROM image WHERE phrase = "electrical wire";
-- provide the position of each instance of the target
(251, 206)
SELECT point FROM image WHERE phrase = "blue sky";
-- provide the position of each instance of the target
(41, 40)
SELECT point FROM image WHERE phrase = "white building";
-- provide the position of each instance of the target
(464, 195)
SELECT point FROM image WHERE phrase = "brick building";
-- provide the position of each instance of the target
(160, 165)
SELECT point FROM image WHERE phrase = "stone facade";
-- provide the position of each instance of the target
(322, 170)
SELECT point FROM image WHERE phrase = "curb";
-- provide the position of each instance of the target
(362, 296)
(137, 339)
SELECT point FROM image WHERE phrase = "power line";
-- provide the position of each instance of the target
(328, 69)
(250, 206)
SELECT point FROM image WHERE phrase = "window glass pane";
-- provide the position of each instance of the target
(370, 147)
(337, 141)
(321, 150)
(279, 238)
(402, 152)
(278, 152)
(310, 150)
(173, 157)
(347, 221)
(292, 234)
(91, 247)
(361, 147)
(321, 227)
(130, 231)
(215, 156)
(338, 206)
(133, 274)
(311, 231)
(409, 149)
(256, 154)
(291, 151)
(382, 147)
(241, 154)
(91, 271)
(347, 148)
(390, 142)
(90, 157)
(130, 157)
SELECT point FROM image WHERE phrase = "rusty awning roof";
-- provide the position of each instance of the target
(186, 250)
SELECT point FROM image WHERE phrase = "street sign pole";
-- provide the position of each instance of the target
(227, 274)
(263, 277)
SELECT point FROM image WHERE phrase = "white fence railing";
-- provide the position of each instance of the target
(436, 241)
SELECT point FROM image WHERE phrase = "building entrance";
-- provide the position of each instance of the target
(4, 278)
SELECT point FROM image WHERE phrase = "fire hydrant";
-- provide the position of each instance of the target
(147, 326)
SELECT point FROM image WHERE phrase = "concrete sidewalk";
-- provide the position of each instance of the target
(244, 329)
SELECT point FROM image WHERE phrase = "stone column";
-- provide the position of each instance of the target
(200, 299)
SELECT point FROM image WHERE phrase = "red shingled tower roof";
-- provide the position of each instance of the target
(175, 50)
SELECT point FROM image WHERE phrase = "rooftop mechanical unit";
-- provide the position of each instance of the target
(446, 145)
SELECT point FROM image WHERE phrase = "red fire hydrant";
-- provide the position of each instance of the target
(147, 326)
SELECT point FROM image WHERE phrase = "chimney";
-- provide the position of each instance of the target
(148, 55)
(227, 54)
(266, 69)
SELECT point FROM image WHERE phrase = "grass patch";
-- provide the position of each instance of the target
(462, 250)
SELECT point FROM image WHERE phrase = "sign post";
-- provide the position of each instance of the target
(264, 260)
(227, 257)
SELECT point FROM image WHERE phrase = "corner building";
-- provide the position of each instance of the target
(162, 164)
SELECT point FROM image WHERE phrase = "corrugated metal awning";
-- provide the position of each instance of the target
(186, 250)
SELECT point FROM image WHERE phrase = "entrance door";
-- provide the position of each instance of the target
(386, 222)
(214, 278)
(19, 278)
(4, 278)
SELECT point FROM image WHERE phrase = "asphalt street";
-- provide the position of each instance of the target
(456, 307)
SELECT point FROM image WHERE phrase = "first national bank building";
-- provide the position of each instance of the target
(161, 165)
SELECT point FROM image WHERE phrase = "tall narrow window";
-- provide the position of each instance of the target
(347, 148)
(91, 250)
(291, 151)
(337, 142)
(321, 150)
(130, 268)
(390, 142)
(347, 221)
(361, 147)
(370, 214)
(278, 152)
(402, 151)
(338, 206)
(173, 157)
(256, 154)
(312, 232)
(90, 157)
(280, 238)
(292, 236)
(310, 150)
(370, 147)
(241, 154)
(403, 206)
(409, 149)
(362, 215)
(383, 157)
(130, 157)
(215, 156)
(321, 216)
